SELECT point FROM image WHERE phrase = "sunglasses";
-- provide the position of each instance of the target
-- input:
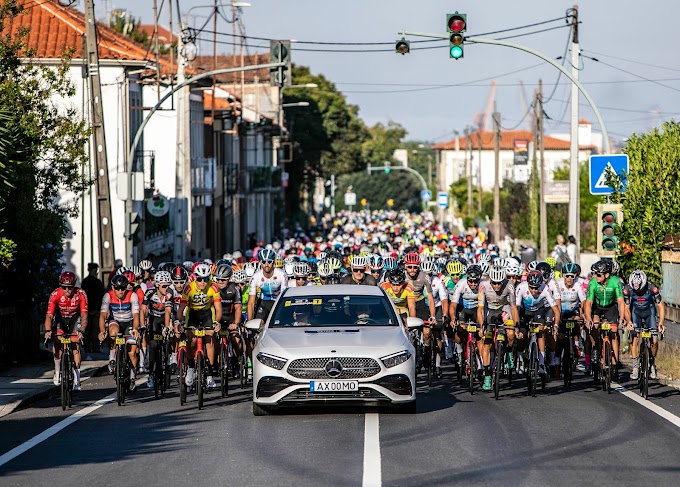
(570, 276)
(267, 262)
(202, 279)
(534, 288)
(222, 280)
(599, 274)
(66, 288)
(413, 267)
(178, 283)
(120, 288)
(164, 286)
(358, 270)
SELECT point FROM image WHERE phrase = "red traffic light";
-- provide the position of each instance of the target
(456, 23)
(609, 217)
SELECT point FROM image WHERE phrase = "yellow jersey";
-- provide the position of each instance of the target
(400, 299)
(195, 299)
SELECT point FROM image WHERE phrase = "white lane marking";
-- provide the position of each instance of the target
(372, 464)
(642, 402)
(53, 430)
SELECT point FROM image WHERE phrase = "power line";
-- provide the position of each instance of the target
(521, 27)
(532, 32)
(632, 61)
(631, 73)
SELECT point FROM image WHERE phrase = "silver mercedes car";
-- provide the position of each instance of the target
(333, 344)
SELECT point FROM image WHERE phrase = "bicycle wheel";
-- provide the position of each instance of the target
(71, 377)
(63, 370)
(166, 366)
(200, 373)
(644, 371)
(427, 356)
(460, 365)
(120, 373)
(224, 370)
(595, 364)
(156, 372)
(533, 369)
(499, 369)
(607, 368)
(472, 359)
(567, 366)
(182, 366)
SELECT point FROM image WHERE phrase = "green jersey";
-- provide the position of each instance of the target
(605, 295)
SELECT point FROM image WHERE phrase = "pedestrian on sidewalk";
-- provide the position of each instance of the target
(94, 289)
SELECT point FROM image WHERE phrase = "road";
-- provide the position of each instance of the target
(582, 436)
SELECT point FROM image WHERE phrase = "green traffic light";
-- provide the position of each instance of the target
(456, 52)
(387, 170)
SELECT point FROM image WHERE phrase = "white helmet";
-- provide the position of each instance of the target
(202, 270)
(428, 266)
(288, 268)
(360, 261)
(500, 262)
(324, 269)
(484, 266)
(301, 269)
(250, 268)
(163, 277)
(146, 265)
(483, 258)
(512, 268)
(496, 274)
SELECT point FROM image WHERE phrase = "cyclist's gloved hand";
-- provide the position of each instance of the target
(48, 335)
(102, 336)
(216, 326)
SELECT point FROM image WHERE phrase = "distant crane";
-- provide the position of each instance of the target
(483, 120)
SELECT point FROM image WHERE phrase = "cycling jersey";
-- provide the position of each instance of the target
(571, 297)
(120, 310)
(489, 298)
(532, 303)
(450, 285)
(71, 307)
(605, 295)
(401, 299)
(649, 298)
(368, 280)
(421, 284)
(195, 299)
(157, 304)
(230, 296)
(268, 288)
(465, 296)
(552, 286)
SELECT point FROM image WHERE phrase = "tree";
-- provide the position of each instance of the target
(46, 147)
(651, 202)
(383, 141)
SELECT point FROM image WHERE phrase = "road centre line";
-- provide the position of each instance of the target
(53, 430)
(372, 463)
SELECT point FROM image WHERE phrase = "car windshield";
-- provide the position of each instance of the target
(334, 310)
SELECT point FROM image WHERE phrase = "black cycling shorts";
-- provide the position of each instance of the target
(200, 318)
(609, 313)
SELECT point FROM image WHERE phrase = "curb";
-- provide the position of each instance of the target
(44, 392)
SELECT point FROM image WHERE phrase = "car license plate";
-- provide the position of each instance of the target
(333, 386)
(646, 334)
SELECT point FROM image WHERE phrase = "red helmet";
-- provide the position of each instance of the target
(412, 259)
(130, 276)
(67, 279)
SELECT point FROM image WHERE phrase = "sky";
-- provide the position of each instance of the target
(635, 39)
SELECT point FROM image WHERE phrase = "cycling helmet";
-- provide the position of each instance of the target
(499, 262)
(188, 265)
(335, 263)
(390, 263)
(396, 277)
(239, 277)
(321, 256)
(179, 273)
(427, 258)
(207, 261)
(531, 266)
(162, 277)
(454, 268)
(202, 271)
(166, 266)
(301, 270)
(483, 258)
(288, 269)
(601, 267)
(324, 269)
(552, 262)
(497, 274)
(474, 273)
(544, 269)
(428, 267)
(67, 278)
(333, 278)
(615, 268)
(223, 271)
(121, 270)
(375, 262)
(512, 268)
(119, 281)
(251, 268)
(570, 268)
(137, 271)
(637, 280)
(484, 266)
(534, 278)
(412, 258)
(290, 259)
(266, 255)
(360, 261)
(130, 276)
(146, 265)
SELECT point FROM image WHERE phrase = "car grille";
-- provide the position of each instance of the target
(352, 368)
(363, 393)
(399, 384)
(270, 386)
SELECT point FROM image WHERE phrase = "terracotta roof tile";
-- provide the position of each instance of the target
(507, 141)
(164, 35)
(220, 103)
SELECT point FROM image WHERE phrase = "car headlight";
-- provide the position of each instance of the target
(395, 359)
(271, 361)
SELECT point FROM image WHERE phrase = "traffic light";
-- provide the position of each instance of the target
(364, 202)
(387, 167)
(403, 46)
(609, 218)
(456, 25)
(390, 202)
(279, 52)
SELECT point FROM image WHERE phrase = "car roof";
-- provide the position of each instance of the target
(329, 290)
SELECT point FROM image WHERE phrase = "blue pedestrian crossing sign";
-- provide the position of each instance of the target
(426, 195)
(599, 166)
(443, 199)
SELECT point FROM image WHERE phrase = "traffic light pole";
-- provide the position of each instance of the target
(399, 168)
(494, 42)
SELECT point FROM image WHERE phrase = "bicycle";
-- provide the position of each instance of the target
(182, 367)
(429, 354)
(646, 334)
(569, 357)
(607, 356)
(470, 356)
(66, 367)
(499, 366)
(532, 368)
(161, 369)
(201, 364)
(122, 369)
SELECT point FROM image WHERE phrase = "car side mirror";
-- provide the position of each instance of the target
(414, 322)
(254, 325)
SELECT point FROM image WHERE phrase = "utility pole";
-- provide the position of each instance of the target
(497, 176)
(534, 172)
(543, 211)
(574, 203)
(468, 168)
(105, 225)
(479, 173)
(333, 195)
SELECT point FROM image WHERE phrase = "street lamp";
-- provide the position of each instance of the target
(296, 104)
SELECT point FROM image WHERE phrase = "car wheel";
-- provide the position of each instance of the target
(260, 410)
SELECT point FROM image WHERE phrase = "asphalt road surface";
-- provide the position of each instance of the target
(581, 436)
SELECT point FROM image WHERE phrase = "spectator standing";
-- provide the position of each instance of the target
(94, 289)
(571, 248)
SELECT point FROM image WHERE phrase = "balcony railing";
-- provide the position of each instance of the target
(203, 176)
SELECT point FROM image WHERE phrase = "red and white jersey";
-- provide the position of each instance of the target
(67, 307)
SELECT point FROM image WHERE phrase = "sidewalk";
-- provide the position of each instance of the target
(23, 384)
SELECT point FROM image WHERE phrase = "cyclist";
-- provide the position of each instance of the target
(232, 309)
(533, 299)
(301, 273)
(204, 303)
(156, 311)
(400, 292)
(464, 306)
(120, 313)
(572, 297)
(265, 286)
(66, 311)
(454, 273)
(376, 267)
(496, 304)
(147, 274)
(179, 279)
(358, 276)
(421, 284)
(643, 300)
(604, 300)
(441, 305)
